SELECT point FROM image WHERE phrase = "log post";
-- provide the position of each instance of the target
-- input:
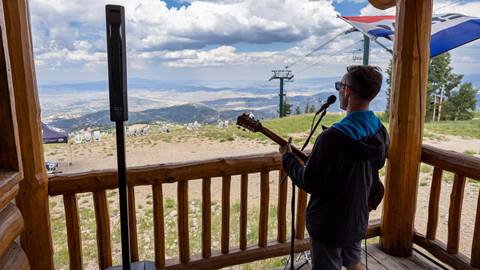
(32, 200)
(408, 98)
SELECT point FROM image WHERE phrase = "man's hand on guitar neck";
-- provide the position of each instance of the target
(287, 148)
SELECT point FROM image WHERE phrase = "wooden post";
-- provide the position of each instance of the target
(206, 218)
(408, 98)
(32, 200)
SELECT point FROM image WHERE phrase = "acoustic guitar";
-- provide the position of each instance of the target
(249, 122)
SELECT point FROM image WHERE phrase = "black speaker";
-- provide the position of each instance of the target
(117, 62)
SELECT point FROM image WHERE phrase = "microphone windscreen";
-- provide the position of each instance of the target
(331, 99)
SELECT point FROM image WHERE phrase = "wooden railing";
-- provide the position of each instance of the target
(463, 167)
(156, 176)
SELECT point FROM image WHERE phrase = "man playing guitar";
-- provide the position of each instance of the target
(339, 173)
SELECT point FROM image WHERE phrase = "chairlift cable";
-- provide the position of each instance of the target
(316, 49)
(331, 54)
(448, 5)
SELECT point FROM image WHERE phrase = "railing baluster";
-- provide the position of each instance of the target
(264, 199)
(132, 216)
(475, 261)
(206, 218)
(104, 245)
(73, 231)
(454, 213)
(434, 203)
(282, 207)
(243, 210)
(301, 211)
(158, 225)
(225, 233)
(183, 237)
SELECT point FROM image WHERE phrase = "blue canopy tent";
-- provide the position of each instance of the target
(53, 135)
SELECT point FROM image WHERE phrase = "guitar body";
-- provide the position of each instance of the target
(247, 121)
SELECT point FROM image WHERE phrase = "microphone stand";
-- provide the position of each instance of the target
(292, 204)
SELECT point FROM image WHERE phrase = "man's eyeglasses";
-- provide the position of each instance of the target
(339, 85)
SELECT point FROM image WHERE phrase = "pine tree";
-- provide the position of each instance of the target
(297, 110)
(441, 82)
(307, 108)
(287, 108)
(461, 104)
(311, 109)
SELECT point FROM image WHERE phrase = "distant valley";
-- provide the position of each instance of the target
(74, 106)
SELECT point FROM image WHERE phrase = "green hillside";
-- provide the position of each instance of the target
(298, 126)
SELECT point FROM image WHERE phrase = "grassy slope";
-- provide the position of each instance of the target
(298, 126)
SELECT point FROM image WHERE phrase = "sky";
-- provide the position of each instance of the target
(237, 40)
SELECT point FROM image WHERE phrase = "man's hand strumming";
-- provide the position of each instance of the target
(287, 148)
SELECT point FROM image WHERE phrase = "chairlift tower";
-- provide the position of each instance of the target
(282, 75)
(366, 49)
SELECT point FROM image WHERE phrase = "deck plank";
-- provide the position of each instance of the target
(378, 260)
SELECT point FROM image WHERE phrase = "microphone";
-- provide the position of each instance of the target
(330, 100)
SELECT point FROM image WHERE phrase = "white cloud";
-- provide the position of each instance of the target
(72, 32)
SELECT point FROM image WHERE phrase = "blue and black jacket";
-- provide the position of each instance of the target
(339, 174)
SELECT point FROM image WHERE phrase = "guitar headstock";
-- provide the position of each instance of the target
(249, 122)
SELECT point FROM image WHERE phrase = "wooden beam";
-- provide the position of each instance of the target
(104, 244)
(9, 148)
(476, 238)
(158, 225)
(243, 210)
(238, 256)
(455, 213)
(264, 204)
(183, 233)
(32, 200)
(438, 249)
(11, 226)
(74, 238)
(132, 216)
(163, 173)
(434, 203)
(282, 207)
(206, 218)
(14, 258)
(301, 214)
(382, 4)
(225, 231)
(408, 98)
(452, 161)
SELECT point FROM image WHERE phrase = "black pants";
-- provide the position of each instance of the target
(333, 258)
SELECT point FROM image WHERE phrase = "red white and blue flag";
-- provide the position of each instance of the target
(448, 30)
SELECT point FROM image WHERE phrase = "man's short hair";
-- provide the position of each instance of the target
(366, 81)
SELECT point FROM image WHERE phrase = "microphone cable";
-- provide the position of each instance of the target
(292, 204)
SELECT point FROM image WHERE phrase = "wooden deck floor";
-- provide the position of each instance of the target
(378, 260)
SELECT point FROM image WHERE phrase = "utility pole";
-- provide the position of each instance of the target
(282, 74)
(366, 49)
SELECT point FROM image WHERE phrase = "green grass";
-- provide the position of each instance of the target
(469, 152)
(467, 128)
(299, 126)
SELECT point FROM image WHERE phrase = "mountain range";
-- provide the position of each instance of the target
(80, 105)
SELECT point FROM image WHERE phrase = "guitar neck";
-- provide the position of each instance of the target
(280, 141)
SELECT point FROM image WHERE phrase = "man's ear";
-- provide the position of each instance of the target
(348, 91)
